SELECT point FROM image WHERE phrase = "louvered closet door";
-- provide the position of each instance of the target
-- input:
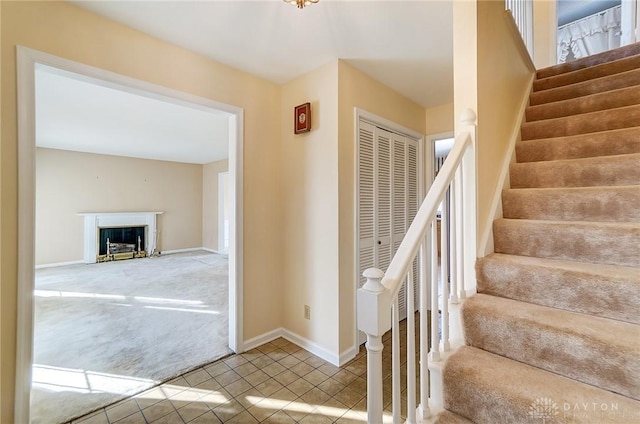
(405, 203)
(387, 197)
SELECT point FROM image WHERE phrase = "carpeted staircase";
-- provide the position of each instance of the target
(553, 335)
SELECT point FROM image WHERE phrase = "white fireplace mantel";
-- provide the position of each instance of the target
(95, 220)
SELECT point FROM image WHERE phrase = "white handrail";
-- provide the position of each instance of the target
(399, 266)
(377, 300)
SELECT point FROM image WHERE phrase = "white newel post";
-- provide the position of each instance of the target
(374, 319)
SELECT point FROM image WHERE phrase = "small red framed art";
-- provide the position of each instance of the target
(302, 118)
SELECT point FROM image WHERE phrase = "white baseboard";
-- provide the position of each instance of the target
(296, 339)
(262, 339)
(206, 249)
(348, 355)
(189, 249)
(59, 264)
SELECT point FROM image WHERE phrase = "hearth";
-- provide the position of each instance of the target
(121, 243)
(129, 234)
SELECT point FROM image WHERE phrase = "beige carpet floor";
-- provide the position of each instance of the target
(106, 331)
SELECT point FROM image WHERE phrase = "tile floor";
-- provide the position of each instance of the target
(277, 382)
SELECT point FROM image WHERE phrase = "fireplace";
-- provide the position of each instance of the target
(120, 235)
(121, 243)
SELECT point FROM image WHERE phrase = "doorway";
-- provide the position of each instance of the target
(28, 61)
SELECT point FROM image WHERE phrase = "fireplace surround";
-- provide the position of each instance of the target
(94, 221)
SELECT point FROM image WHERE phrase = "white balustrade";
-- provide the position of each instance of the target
(377, 300)
(522, 11)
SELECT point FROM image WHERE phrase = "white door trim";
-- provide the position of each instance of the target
(222, 176)
(27, 61)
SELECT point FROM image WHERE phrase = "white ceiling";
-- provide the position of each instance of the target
(73, 113)
(405, 44)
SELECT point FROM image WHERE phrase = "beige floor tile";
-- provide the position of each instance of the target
(316, 419)
(300, 386)
(234, 361)
(358, 385)
(122, 410)
(348, 397)
(268, 387)
(286, 377)
(192, 411)
(302, 369)
(328, 369)
(283, 396)
(217, 368)
(302, 354)
(315, 362)
(344, 376)
(273, 369)
(315, 397)
(262, 361)
(98, 417)
(208, 386)
(245, 369)
(256, 378)
(227, 377)
(267, 347)
(243, 418)
(136, 418)
(315, 377)
(172, 418)
(206, 418)
(228, 410)
(289, 361)
(149, 397)
(238, 387)
(157, 411)
(331, 386)
(196, 377)
(280, 417)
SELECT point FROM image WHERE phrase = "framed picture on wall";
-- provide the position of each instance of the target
(302, 118)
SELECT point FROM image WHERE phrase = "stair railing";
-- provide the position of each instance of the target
(522, 11)
(377, 300)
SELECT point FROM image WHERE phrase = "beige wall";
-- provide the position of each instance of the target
(439, 119)
(65, 30)
(359, 90)
(210, 173)
(545, 28)
(504, 81)
(72, 182)
(310, 181)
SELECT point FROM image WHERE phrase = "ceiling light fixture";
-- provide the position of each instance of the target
(301, 3)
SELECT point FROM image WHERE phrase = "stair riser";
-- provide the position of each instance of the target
(600, 85)
(596, 59)
(612, 119)
(622, 65)
(492, 389)
(619, 142)
(601, 243)
(606, 204)
(576, 355)
(606, 171)
(611, 297)
(602, 101)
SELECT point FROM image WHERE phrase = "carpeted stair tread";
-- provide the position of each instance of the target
(613, 243)
(580, 75)
(606, 204)
(585, 88)
(471, 390)
(584, 172)
(448, 417)
(605, 143)
(604, 120)
(595, 59)
(593, 350)
(606, 291)
(620, 97)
